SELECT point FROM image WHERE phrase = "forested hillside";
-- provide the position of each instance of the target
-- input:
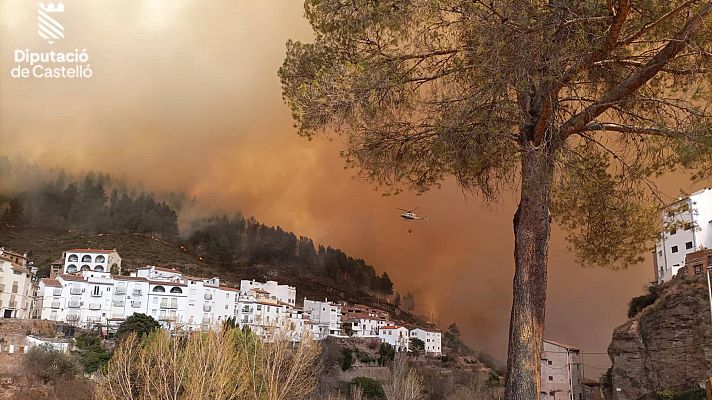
(97, 203)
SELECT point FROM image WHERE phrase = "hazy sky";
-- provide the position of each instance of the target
(185, 96)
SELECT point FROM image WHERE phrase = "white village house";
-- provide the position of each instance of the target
(687, 228)
(561, 372)
(432, 340)
(87, 294)
(16, 290)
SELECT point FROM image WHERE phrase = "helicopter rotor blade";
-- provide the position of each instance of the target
(413, 209)
(402, 209)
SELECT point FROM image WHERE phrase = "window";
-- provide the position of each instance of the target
(95, 291)
(86, 258)
(176, 290)
(673, 231)
(71, 268)
(159, 289)
(674, 249)
(660, 253)
(688, 245)
(551, 378)
(698, 269)
(548, 362)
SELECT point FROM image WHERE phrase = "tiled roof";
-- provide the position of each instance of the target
(51, 282)
(166, 283)
(129, 278)
(66, 277)
(391, 327)
(89, 251)
(164, 269)
(566, 346)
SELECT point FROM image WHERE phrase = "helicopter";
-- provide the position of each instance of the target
(410, 215)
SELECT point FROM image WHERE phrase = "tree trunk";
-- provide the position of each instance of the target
(531, 237)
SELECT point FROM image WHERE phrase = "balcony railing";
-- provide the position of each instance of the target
(75, 290)
(72, 317)
(136, 304)
(55, 304)
(119, 303)
(120, 290)
(137, 292)
(74, 303)
(94, 306)
(208, 296)
(57, 292)
(207, 308)
(206, 321)
(167, 317)
(165, 303)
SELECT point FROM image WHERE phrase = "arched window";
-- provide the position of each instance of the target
(73, 258)
(98, 268)
(86, 268)
(176, 290)
(159, 289)
(86, 258)
(71, 268)
(99, 259)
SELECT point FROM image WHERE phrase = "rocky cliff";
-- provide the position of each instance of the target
(666, 346)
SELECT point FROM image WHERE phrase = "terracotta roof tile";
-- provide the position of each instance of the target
(51, 282)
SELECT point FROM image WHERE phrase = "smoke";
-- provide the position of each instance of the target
(184, 97)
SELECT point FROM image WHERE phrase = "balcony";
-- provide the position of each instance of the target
(136, 304)
(167, 317)
(94, 306)
(55, 304)
(72, 317)
(208, 296)
(119, 303)
(137, 292)
(12, 304)
(75, 290)
(74, 303)
(207, 308)
(117, 316)
(120, 290)
(206, 321)
(167, 303)
(57, 292)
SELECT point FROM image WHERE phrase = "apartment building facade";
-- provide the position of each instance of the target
(16, 289)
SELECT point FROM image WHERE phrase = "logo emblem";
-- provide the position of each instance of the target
(47, 27)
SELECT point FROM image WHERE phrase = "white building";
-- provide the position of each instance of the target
(362, 321)
(326, 315)
(284, 293)
(561, 372)
(687, 228)
(16, 291)
(62, 345)
(91, 299)
(396, 336)
(97, 260)
(432, 340)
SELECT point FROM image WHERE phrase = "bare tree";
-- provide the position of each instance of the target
(280, 369)
(405, 383)
(220, 365)
(577, 104)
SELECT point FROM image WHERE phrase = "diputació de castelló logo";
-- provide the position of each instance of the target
(53, 64)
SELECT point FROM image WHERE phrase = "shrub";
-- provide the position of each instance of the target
(638, 304)
(370, 388)
(92, 356)
(48, 364)
(386, 354)
(347, 359)
(141, 324)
